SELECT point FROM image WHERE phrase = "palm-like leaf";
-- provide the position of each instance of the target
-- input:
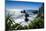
(9, 20)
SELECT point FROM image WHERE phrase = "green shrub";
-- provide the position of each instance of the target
(37, 23)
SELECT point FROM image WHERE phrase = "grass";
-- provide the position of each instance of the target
(37, 23)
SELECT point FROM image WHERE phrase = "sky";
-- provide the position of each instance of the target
(23, 5)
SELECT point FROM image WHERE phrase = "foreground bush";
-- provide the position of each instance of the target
(37, 23)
